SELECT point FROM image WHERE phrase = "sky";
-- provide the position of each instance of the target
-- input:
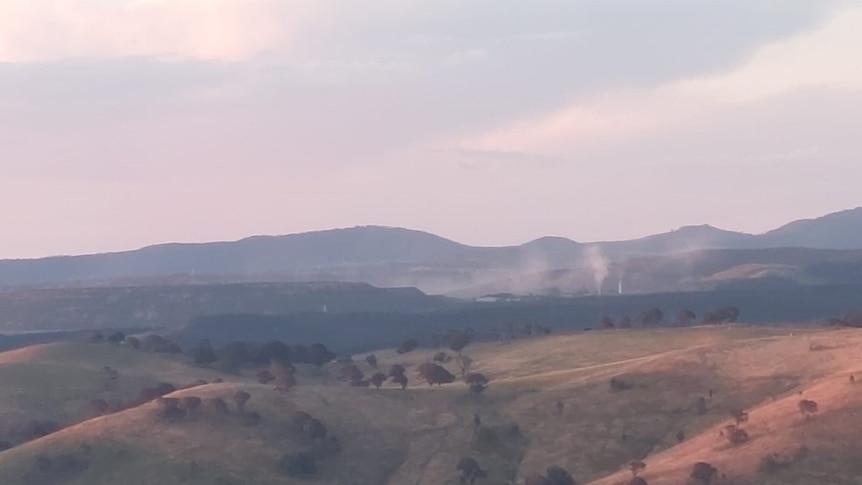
(125, 123)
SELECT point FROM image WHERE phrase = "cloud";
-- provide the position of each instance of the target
(225, 30)
(822, 59)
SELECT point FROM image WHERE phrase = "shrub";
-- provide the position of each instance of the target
(807, 407)
(617, 384)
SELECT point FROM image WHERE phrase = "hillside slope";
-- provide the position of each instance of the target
(417, 436)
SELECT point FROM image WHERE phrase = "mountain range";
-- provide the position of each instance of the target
(692, 257)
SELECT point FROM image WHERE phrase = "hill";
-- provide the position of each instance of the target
(840, 230)
(394, 257)
(392, 436)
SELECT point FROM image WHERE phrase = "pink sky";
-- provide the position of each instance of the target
(134, 122)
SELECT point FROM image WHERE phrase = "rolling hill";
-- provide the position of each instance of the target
(390, 257)
(549, 403)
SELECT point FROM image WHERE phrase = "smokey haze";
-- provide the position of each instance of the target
(132, 122)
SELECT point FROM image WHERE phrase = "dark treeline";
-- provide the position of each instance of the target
(359, 332)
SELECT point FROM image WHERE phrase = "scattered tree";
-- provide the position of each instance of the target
(680, 437)
(807, 407)
(352, 374)
(478, 382)
(722, 315)
(265, 376)
(435, 374)
(704, 472)
(408, 345)
(685, 317)
(606, 323)
(372, 360)
(559, 476)
(651, 317)
(636, 467)
(470, 471)
(739, 416)
(458, 340)
(560, 407)
(464, 363)
(734, 434)
(441, 357)
(378, 379)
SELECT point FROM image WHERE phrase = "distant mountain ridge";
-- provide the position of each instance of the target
(388, 256)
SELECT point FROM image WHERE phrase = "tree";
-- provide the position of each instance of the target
(685, 317)
(636, 467)
(203, 353)
(727, 314)
(352, 374)
(401, 380)
(734, 434)
(625, 322)
(441, 357)
(739, 416)
(436, 374)
(606, 323)
(637, 481)
(559, 476)
(464, 363)
(240, 398)
(458, 340)
(807, 407)
(398, 374)
(217, 406)
(477, 382)
(704, 472)
(318, 355)
(372, 360)
(265, 376)
(408, 345)
(470, 471)
(377, 379)
(651, 317)
(560, 407)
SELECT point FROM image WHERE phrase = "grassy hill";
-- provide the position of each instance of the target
(416, 436)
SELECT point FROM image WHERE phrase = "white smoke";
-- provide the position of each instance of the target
(599, 264)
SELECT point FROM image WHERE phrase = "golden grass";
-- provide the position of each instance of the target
(416, 437)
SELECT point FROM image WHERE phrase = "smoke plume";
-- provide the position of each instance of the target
(599, 264)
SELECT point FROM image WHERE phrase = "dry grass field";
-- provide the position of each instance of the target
(416, 437)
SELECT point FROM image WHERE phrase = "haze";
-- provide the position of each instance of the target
(130, 122)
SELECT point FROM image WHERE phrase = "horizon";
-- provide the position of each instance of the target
(137, 122)
(363, 226)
